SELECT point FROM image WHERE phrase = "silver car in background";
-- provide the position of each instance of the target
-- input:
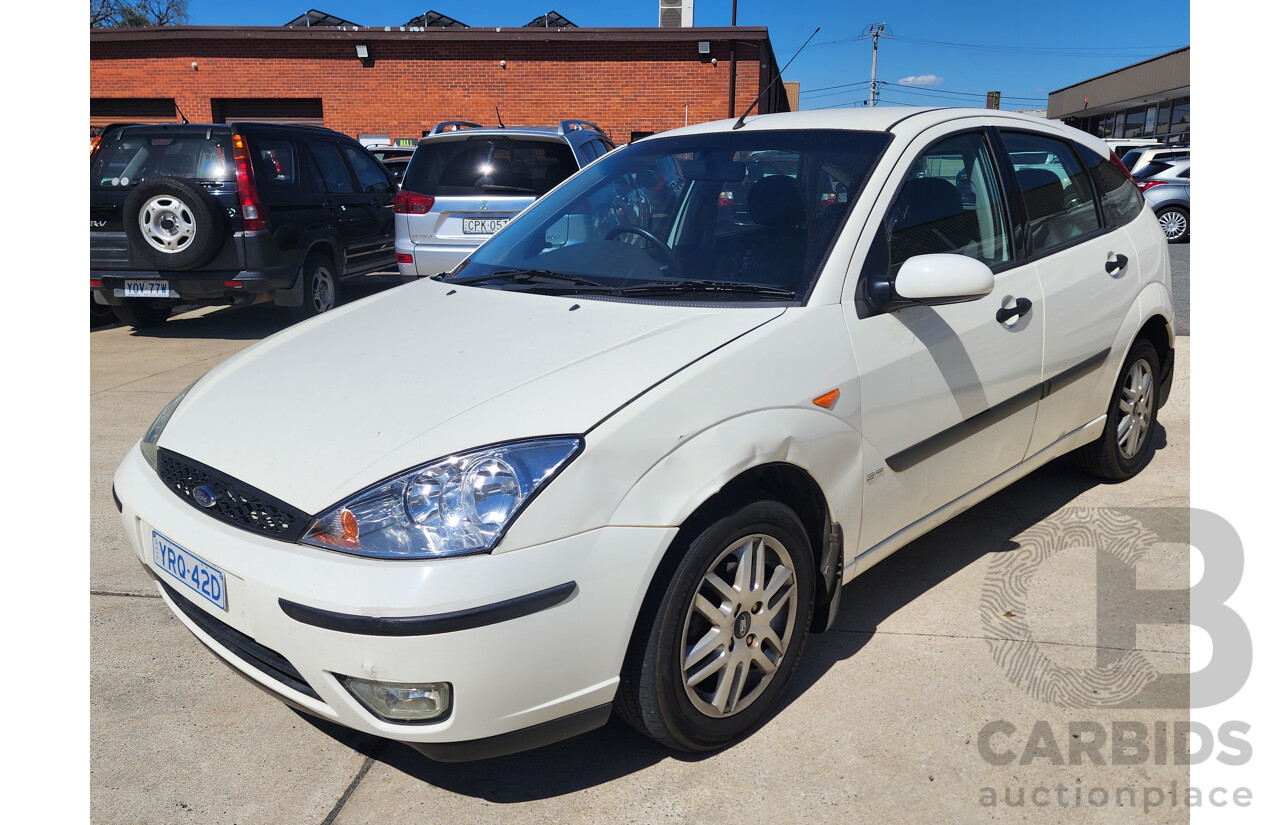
(1166, 184)
(466, 181)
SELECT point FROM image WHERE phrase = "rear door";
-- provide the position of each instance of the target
(1088, 268)
(129, 156)
(377, 195)
(348, 209)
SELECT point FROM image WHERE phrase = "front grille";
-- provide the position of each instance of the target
(263, 659)
(235, 502)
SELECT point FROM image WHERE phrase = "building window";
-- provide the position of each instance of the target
(1180, 122)
(1134, 120)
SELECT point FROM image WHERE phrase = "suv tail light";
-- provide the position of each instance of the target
(248, 188)
(1144, 185)
(412, 203)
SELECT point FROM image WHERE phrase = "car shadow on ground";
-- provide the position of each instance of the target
(251, 322)
(615, 750)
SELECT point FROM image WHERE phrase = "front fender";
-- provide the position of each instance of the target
(819, 443)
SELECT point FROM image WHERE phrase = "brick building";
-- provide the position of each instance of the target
(397, 81)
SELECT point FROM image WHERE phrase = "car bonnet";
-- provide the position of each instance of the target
(324, 409)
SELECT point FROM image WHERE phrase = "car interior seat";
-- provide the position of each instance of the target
(774, 252)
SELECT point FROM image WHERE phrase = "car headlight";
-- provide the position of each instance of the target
(459, 504)
(148, 445)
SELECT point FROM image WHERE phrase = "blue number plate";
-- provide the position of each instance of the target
(188, 568)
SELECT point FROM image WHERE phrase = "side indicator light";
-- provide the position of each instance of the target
(827, 400)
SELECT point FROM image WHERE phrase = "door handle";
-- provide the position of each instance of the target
(1117, 263)
(1020, 307)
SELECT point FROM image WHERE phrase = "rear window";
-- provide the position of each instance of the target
(1151, 168)
(489, 165)
(139, 156)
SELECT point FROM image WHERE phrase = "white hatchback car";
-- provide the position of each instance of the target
(626, 459)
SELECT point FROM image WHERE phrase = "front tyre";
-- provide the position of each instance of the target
(724, 640)
(1125, 445)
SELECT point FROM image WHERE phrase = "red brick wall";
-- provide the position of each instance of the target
(414, 83)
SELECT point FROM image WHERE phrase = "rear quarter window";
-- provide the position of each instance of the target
(1121, 200)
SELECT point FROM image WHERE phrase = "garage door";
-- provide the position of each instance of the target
(305, 110)
(105, 110)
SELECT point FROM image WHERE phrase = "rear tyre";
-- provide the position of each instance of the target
(708, 664)
(319, 288)
(1125, 446)
(100, 314)
(1176, 223)
(142, 313)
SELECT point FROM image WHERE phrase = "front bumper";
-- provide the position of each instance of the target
(520, 678)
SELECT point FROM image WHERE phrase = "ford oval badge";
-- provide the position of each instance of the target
(204, 496)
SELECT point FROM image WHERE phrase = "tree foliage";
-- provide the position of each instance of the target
(136, 14)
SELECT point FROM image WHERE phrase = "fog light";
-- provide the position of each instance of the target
(398, 702)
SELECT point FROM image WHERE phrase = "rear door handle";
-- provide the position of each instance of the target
(1116, 264)
(1020, 307)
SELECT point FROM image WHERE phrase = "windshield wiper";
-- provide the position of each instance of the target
(681, 287)
(515, 190)
(540, 277)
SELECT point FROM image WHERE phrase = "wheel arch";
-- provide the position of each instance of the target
(786, 483)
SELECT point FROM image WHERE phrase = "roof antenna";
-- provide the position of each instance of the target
(742, 120)
(501, 125)
(180, 114)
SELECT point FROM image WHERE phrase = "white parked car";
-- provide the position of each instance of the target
(624, 461)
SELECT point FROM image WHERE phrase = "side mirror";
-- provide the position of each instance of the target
(945, 278)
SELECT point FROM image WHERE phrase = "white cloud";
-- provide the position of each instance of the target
(920, 80)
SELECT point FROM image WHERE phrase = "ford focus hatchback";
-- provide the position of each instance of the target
(625, 457)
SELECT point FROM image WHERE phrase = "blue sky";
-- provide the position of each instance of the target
(1022, 49)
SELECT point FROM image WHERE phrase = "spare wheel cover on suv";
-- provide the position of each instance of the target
(174, 223)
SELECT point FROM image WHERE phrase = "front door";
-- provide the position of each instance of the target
(949, 393)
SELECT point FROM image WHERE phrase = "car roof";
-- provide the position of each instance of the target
(907, 121)
(573, 131)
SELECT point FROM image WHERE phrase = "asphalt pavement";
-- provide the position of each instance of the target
(915, 707)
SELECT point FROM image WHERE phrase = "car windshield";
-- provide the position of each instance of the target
(137, 155)
(742, 216)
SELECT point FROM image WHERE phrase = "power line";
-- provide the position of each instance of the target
(907, 89)
(841, 86)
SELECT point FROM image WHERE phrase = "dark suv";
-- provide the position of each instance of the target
(233, 214)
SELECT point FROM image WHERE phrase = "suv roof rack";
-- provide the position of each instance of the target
(443, 126)
(567, 126)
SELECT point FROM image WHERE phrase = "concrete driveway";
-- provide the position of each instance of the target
(909, 710)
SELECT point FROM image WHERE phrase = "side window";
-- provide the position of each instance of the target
(1185, 173)
(333, 172)
(1121, 200)
(1055, 189)
(589, 152)
(370, 176)
(950, 202)
(275, 164)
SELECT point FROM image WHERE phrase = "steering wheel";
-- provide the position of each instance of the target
(663, 250)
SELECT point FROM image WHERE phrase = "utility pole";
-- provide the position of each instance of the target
(733, 64)
(877, 29)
